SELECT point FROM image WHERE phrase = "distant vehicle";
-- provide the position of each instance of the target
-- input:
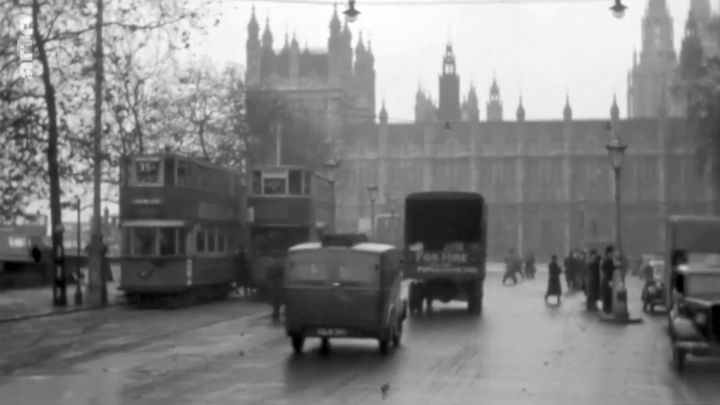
(653, 292)
(182, 225)
(388, 229)
(692, 287)
(344, 291)
(445, 248)
(290, 205)
(17, 266)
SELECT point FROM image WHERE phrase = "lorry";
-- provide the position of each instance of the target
(445, 245)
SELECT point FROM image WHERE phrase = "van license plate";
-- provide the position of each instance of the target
(331, 331)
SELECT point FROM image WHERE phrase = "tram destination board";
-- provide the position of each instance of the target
(187, 209)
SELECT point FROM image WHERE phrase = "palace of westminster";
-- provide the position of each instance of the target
(548, 184)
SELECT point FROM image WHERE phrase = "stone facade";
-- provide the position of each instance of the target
(548, 184)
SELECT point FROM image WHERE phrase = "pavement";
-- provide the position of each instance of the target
(27, 303)
(520, 351)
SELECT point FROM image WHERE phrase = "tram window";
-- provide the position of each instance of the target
(167, 241)
(256, 182)
(170, 172)
(148, 172)
(221, 241)
(296, 182)
(308, 183)
(181, 240)
(144, 241)
(274, 185)
(200, 240)
(211, 235)
(183, 174)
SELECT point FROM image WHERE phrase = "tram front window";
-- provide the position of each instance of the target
(163, 241)
(143, 241)
(274, 186)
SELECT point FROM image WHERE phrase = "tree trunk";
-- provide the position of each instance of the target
(52, 140)
(201, 136)
(97, 293)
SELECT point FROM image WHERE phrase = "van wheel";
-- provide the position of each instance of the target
(678, 359)
(297, 343)
(397, 335)
(384, 346)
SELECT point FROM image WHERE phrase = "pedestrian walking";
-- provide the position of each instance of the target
(592, 288)
(607, 268)
(512, 267)
(554, 287)
(276, 276)
(530, 266)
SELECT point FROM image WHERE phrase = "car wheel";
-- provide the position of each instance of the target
(298, 341)
(397, 336)
(678, 359)
(325, 345)
(384, 346)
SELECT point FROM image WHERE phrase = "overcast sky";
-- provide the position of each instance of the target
(542, 50)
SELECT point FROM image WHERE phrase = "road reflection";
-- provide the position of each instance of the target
(99, 388)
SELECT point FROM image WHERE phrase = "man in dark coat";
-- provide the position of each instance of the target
(592, 287)
(554, 288)
(607, 268)
(276, 276)
(512, 267)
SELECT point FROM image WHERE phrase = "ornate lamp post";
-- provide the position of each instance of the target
(351, 14)
(618, 9)
(372, 190)
(60, 278)
(330, 166)
(78, 284)
(616, 151)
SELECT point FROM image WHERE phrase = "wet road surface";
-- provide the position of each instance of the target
(519, 352)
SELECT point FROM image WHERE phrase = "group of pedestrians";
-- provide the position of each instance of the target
(589, 272)
(516, 267)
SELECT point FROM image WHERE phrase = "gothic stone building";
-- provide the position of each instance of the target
(335, 85)
(548, 184)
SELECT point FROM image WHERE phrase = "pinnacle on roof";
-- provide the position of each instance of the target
(567, 111)
(253, 25)
(335, 20)
(520, 113)
(494, 89)
(614, 109)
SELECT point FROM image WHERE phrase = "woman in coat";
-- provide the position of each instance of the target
(554, 287)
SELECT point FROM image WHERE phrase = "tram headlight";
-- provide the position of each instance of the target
(700, 318)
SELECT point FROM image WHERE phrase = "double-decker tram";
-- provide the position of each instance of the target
(181, 227)
(289, 205)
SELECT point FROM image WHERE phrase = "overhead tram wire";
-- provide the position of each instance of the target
(422, 3)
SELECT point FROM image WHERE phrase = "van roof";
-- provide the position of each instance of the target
(444, 195)
(694, 219)
(366, 247)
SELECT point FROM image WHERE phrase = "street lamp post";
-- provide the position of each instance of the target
(331, 165)
(372, 189)
(60, 284)
(616, 150)
(78, 284)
